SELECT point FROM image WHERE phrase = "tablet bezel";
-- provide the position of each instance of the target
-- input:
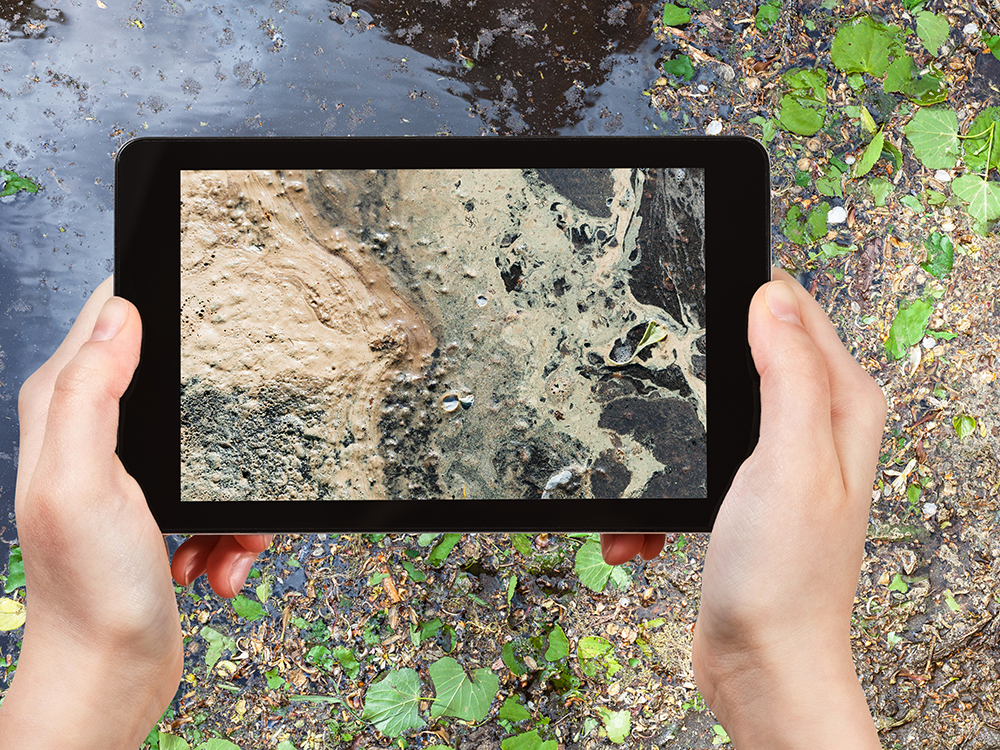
(147, 272)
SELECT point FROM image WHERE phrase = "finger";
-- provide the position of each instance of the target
(652, 545)
(36, 392)
(191, 558)
(228, 566)
(619, 548)
(857, 404)
(255, 542)
(794, 385)
(81, 426)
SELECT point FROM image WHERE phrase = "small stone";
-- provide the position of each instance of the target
(714, 127)
(947, 227)
(849, 160)
(929, 509)
(970, 28)
(837, 215)
(803, 164)
(752, 83)
(703, 88)
(928, 342)
(942, 176)
(726, 73)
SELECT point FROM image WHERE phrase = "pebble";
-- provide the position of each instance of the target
(803, 164)
(942, 175)
(947, 227)
(837, 215)
(752, 83)
(726, 73)
(930, 509)
(849, 160)
(970, 28)
(714, 127)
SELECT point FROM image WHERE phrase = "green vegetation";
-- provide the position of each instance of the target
(14, 183)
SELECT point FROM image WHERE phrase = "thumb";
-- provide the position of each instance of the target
(794, 383)
(82, 424)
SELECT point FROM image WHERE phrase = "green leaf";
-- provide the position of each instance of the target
(528, 741)
(217, 643)
(675, 16)
(913, 494)
(880, 188)
(940, 255)
(589, 565)
(347, 660)
(417, 576)
(932, 30)
(514, 664)
(908, 327)
(680, 66)
(867, 121)
(264, 588)
(993, 43)
(511, 588)
(769, 128)
(926, 90)
(15, 571)
(949, 599)
(864, 47)
(173, 742)
(217, 744)
(796, 118)
(898, 584)
(912, 203)
(286, 745)
(808, 83)
(618, 724)
(898, 75)
(964, 426)
(440, 552)
(830, 184)
(558, 644)
(873, 151)
(767, 15)
(425, 539)
(983, 197)
(249, 609)
(274, 679)
(933, 133)
(13, 183)
(392, 702)
(320, 656)
(458, 695)
(12, 614)
(721, 736)
(512, 710)
(521, 543)
(983, 138)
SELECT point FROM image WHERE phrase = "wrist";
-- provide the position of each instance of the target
(775, 697)
(75, 697)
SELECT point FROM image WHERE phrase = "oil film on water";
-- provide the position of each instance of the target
(443, 334)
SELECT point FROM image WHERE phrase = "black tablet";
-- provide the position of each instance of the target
(433, 334)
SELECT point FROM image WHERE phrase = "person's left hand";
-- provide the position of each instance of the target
(102, 637)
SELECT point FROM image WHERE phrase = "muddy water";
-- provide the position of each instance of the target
(420, 334)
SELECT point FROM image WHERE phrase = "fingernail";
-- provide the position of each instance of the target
(191, 571)
(239, 572)
(780, 298)
(111, 319)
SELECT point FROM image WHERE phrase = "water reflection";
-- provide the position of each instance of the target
(531, 66)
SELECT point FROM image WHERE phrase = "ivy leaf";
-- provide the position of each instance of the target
(589, 565)
(512, 710)
(459, 696)
(617, 723)
(933, 133)
(865, 46)
(796, 118)
(528, 741)
(932, 30)
(248, 608)
(675, 16)
(680, 66)
(940, 255)
(874, 150)
(558, 644)
(983, 197)
(898, 584)
(908, 327)
(983, 137)
(12, 614)
(391, 703)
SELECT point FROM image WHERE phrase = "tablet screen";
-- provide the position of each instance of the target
(442, 334)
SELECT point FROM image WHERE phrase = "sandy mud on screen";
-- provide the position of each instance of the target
(352, 335)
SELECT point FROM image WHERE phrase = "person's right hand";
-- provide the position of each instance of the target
(772, 652)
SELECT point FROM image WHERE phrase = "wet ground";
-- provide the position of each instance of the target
(926, 622)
